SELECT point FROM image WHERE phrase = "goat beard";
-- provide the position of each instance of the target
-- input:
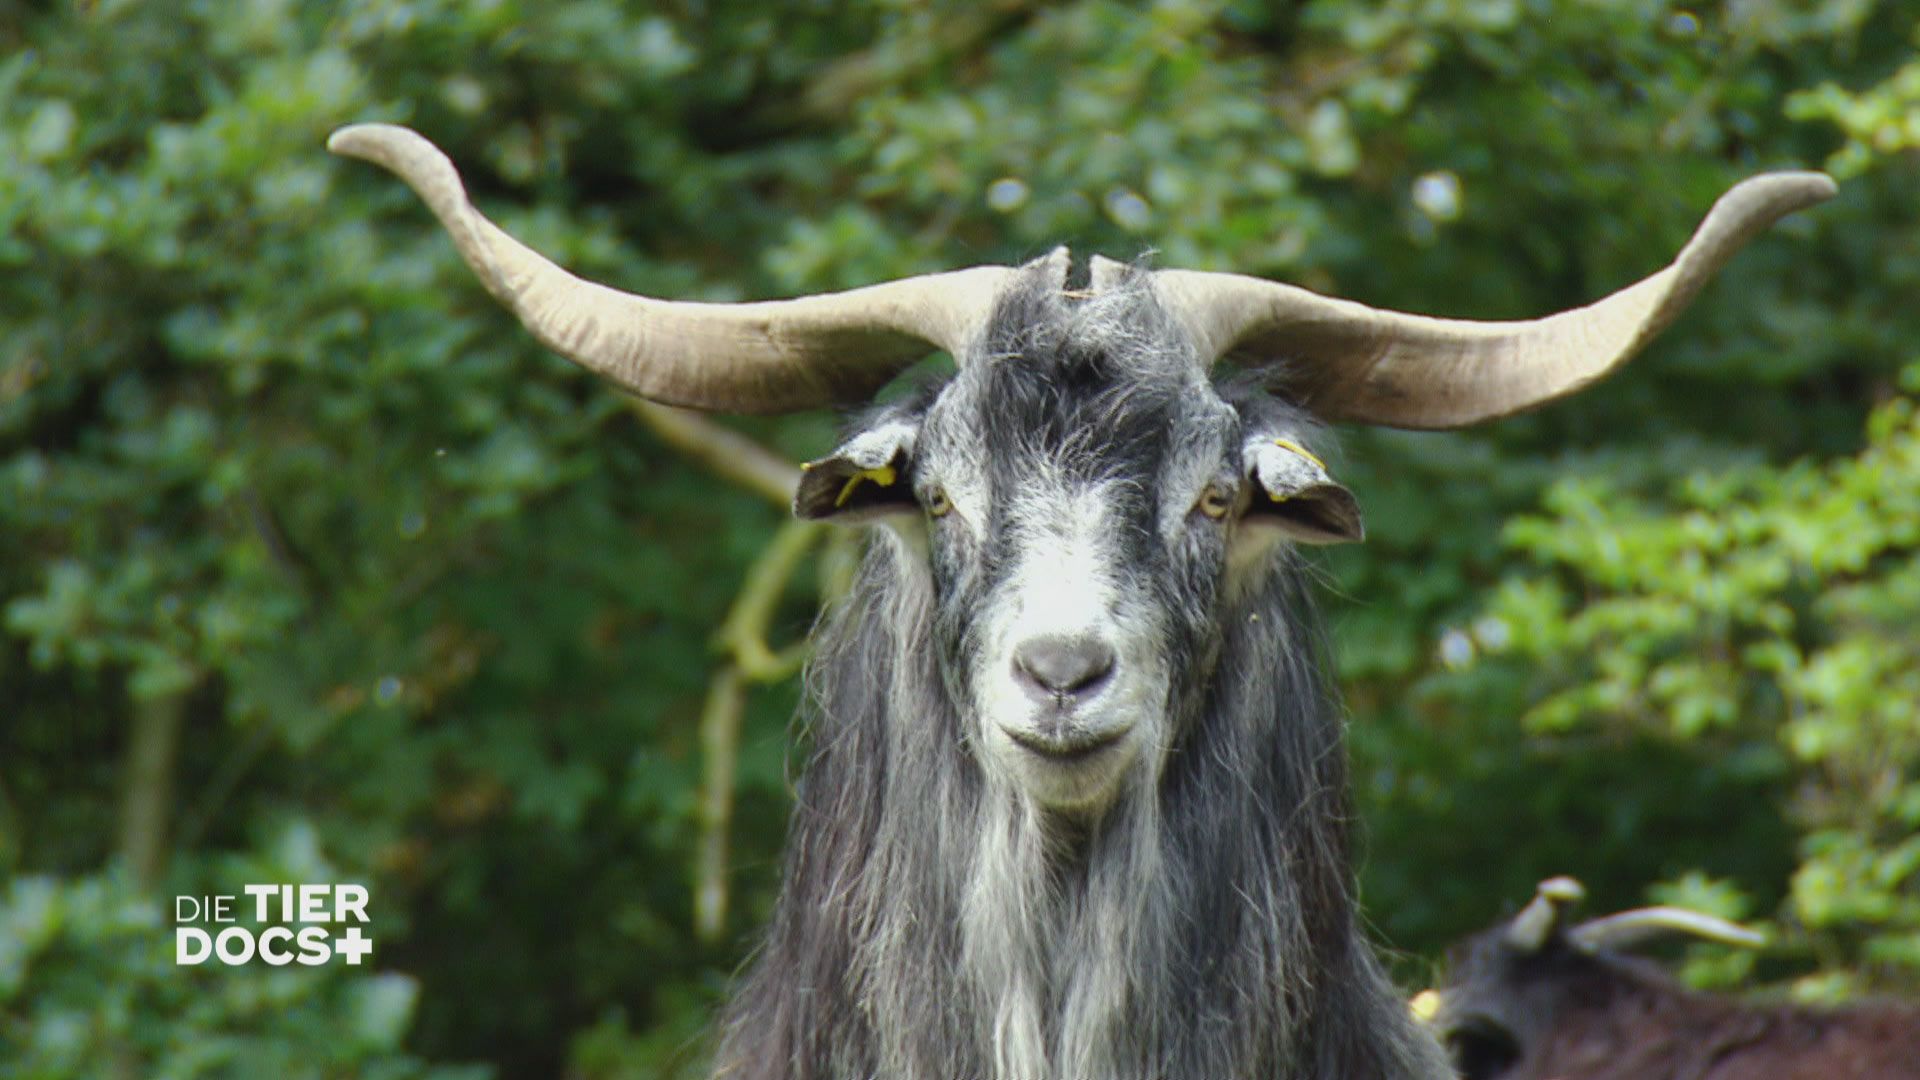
(934, 924)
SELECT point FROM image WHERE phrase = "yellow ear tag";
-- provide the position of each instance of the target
(884, 476)
(1425, 1005)
(1289, 444)
(1294, 448)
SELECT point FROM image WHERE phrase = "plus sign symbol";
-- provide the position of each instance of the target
(352, 944)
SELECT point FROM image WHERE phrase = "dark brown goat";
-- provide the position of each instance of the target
(1534, 999)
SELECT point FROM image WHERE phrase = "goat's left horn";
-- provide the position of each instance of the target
(1371, 366)
(1630, 928)
(1530, 930)
(770, 356)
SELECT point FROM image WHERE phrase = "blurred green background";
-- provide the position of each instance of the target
(314, 567)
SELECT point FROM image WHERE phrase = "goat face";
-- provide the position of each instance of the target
(1087, 506)
(1500, 1004)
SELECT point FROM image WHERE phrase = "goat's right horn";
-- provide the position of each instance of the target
(769, 356)
(1629, 928)
(1349, 362)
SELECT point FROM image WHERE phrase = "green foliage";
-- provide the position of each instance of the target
(1880, 122)
(89, 987)
(300, 536)
(1759, 605)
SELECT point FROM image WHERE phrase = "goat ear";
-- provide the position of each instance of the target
(1291, 491)
(866, 479)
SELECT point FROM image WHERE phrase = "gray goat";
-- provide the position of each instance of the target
(1534, 999)
(1077, 800)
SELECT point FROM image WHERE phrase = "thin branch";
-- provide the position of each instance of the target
(720, 745)
(213, 796)
(839, 564)
(12, 833)
(965, 31)
(147, 799)
(728, 453)
(743, 636)
(744, 633)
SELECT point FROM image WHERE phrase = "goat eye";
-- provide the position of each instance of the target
(937, 502)
(1215, 502)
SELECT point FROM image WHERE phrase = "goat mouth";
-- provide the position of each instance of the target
(1068, 750)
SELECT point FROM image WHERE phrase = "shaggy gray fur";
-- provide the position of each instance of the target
(937, 922)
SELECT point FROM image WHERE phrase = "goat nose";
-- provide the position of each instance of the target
(1060, 666)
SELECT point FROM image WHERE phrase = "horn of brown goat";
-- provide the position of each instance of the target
(1630, 928)
(1365, 365)
(768, 356)
(1534, 926)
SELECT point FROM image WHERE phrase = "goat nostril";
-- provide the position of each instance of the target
(1062, 665)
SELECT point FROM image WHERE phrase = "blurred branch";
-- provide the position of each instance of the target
(266, 524)
(147, 801)
(12, 841)
(744, 632)
(964, 31)
(839, 564)
(214, 793)
(720, 745)
(729, 454)
(743, 637)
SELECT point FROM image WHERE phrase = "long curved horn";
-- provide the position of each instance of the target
(769, 356)
(1371, 366)
(1630, 928)
(1530, 930)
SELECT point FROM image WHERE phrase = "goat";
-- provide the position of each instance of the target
(1077, 802)
(1533, 998)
